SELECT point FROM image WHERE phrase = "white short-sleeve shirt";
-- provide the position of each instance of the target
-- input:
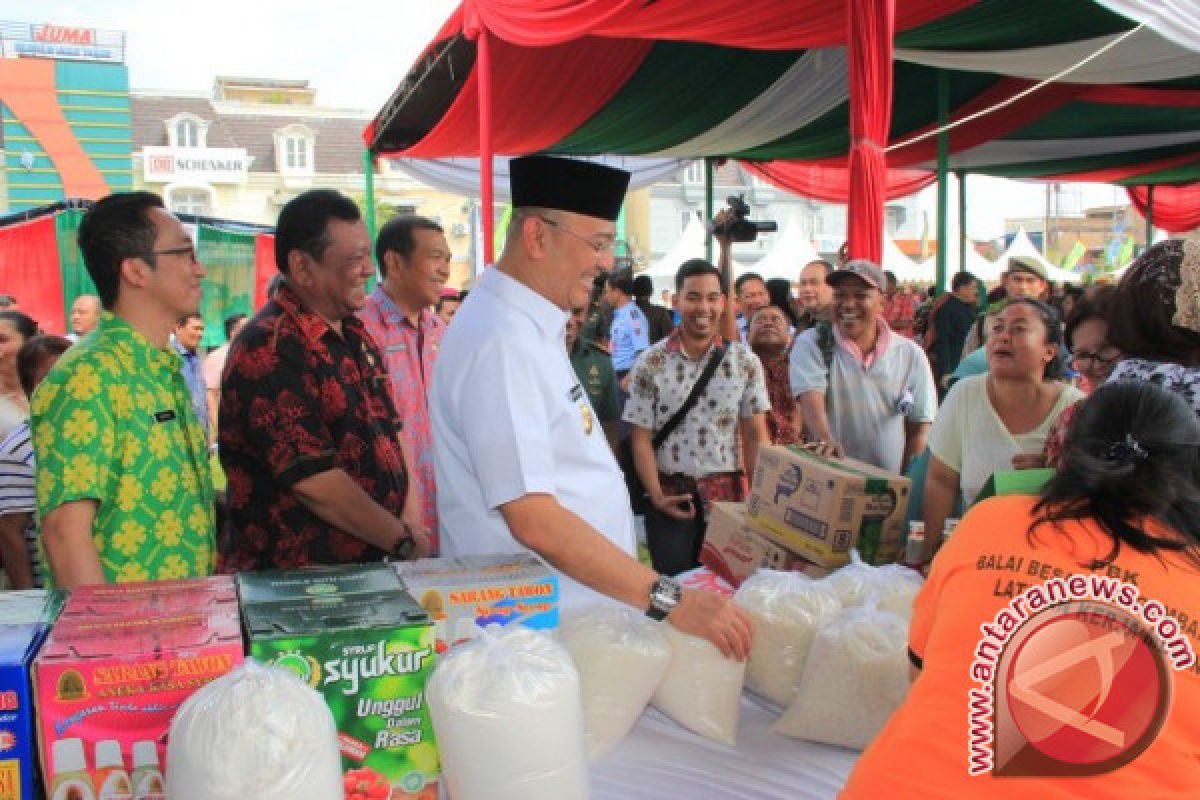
(970, 438)
(510, 418)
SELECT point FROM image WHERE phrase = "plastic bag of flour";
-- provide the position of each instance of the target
(508, 720)
(702, 689)
(893, 586)
(788, 609)
(856, 676)
(622, 657)
(256, 732)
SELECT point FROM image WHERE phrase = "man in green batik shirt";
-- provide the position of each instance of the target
(594, 368)
(124, 489)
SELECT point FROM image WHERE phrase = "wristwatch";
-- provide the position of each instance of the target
(665, 594)
(404, 548)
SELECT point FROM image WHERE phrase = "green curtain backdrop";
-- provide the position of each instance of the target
(228, 256)
(75, 278)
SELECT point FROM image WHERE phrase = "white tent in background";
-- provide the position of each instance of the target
(689, 245)
(1023, 247)
(904, 268)
(789, 252)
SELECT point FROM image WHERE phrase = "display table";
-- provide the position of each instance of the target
(660, 760)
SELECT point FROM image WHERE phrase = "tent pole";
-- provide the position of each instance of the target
(1149, 215)
(369, 177)
(709, 213)
(962, 218)
(943, 163)
(485, 145)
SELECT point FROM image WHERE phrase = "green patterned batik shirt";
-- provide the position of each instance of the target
(113, 422)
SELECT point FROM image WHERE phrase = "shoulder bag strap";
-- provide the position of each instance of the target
(688, 404)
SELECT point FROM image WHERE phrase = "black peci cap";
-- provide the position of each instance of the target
(580, 187)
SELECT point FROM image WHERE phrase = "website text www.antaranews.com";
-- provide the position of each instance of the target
(1035, 599)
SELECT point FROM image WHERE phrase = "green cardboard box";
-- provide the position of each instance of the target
(1015, 481)
(276, 586)
(370, 657)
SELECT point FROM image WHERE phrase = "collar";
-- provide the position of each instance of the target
(311, 324)
(882, 344)
(426, 320)
(549, 318)
(674, 344)
(116, 331)
(183, 351)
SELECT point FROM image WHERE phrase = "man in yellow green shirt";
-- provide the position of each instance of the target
(124, 491)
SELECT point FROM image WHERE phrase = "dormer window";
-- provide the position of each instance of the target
(187, 130)
(294, 149)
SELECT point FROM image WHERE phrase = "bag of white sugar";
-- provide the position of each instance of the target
(622, 657)
(256, 732)
(856, 676)
(702, 689)
(508, 719)
(893, 586)
(787, 609)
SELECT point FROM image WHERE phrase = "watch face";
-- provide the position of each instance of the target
(667, 592)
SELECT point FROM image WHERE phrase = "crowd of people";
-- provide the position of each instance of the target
(416, 419)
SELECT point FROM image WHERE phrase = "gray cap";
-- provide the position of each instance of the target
(861, 268)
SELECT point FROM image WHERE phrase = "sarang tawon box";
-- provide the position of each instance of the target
(466, 593)
(822, 507)
(99, 681)
(734, 549)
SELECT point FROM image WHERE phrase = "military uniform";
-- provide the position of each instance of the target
(594, 367)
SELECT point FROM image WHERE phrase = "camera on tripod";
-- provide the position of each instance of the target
(740, 228)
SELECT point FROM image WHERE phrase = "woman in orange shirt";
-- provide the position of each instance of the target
(1055, 641)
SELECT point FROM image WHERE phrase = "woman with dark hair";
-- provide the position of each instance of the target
(15, 329)
(1000, 420)
(18, 530)
(780, 292)
(1124, 512)
(1155, 319)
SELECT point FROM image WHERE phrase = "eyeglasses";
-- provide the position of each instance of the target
(599, 245)
(188, 250)
(1102, 361)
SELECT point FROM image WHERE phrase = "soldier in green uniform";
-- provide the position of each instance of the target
(593, 365)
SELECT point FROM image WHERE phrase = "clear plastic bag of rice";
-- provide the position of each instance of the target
(508, 718)
(788, 609)
(894, 586)
(256, 732)
(855, 678)
(702, 689)
(622, 657)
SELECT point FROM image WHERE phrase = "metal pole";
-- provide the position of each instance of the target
(962, 219)
(1149, 215)
(369, 174)
(943, 164)
(708, 206)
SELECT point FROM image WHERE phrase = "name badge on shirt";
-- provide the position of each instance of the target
(397, 348)
(164, 416)
(576, 393)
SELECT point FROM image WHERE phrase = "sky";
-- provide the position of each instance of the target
(354, 53)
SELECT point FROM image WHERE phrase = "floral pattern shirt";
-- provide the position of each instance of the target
(781, 418)
(113, 422)
(409, 353)
(297, 400)
(706, 441)
(1183, 381)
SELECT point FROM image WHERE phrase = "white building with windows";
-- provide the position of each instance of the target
(245, 149)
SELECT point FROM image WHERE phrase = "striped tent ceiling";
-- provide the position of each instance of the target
(769, 84)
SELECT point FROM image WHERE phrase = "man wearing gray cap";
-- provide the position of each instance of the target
(869, 392)
(522, 463)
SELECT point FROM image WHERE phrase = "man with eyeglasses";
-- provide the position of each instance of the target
(874, 399)
(522, 461)
(124, 486)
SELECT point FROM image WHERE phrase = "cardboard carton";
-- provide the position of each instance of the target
(153, 598)
(465, 593)
(275, 586)
(25, 617)
(822, 508)
(735, 549)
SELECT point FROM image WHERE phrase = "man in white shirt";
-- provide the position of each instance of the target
(868, 392)
(521, 460)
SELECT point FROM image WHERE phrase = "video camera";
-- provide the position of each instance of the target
(741, 229)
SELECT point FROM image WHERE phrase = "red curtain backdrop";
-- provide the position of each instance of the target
(831, 184)
(755, 24)
(264, 267)
(1176, 208)
(870, 25)
(29, 270)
